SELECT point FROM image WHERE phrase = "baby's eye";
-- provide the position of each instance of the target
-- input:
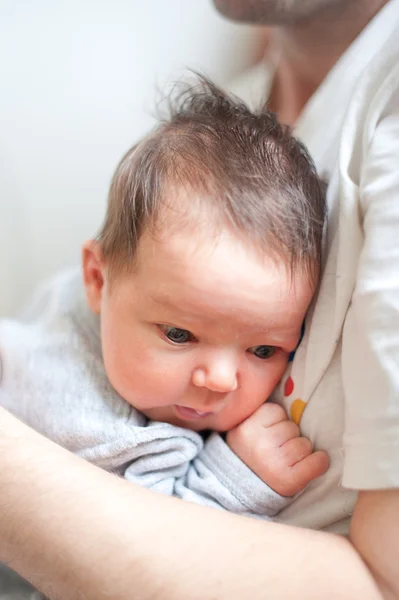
(263, 352)
(177, 335)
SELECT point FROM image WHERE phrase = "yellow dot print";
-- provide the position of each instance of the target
(297, 408)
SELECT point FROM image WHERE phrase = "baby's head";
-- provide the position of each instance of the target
(207, 262)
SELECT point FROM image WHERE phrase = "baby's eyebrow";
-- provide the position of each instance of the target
(163, 300)
(279, 332)
(275, 327)
(172, 308)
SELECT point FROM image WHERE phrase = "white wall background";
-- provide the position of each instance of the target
(77, 81)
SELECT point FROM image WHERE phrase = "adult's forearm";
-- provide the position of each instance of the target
(77, 532)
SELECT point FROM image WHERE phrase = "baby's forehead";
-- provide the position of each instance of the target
(191, 239)
(207, 261)
(196, 240)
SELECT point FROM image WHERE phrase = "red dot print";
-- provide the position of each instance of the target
(288, 387)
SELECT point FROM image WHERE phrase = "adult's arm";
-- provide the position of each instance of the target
(76, 531)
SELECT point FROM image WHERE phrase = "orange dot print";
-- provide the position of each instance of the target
(297, 408)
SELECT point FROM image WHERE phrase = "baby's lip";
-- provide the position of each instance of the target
(190, 414)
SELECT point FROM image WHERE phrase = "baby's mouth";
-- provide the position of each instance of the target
(189, 414)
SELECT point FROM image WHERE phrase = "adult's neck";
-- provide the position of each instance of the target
(308, 50)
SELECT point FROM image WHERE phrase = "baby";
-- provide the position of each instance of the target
(194, 296)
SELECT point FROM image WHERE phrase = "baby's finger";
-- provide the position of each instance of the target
(280, 433)
(311, 467)
(268, 414)
(295, 450)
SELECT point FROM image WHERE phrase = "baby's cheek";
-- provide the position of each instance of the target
(122, 370)
(264, 382)
(271, 371)
(119, 376)
(281, 367)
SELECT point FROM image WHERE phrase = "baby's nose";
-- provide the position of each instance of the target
(218, 375)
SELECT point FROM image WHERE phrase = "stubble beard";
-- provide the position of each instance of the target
(282, 12)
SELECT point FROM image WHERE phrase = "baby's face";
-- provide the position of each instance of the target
(199, 334)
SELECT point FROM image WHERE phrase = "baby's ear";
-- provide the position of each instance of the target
(93, 274)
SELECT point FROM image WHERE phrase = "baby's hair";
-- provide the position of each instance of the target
(245, 166)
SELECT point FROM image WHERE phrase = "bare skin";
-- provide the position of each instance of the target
(309, 49)
(89, 535)
(309, 36)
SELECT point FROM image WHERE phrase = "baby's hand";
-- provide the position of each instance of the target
(272, 447)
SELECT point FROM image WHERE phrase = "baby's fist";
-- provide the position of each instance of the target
(272, 447)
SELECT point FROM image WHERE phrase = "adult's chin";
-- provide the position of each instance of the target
(275, 12)
(236, 10)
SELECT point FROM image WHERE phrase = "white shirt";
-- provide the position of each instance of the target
(344, 386)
